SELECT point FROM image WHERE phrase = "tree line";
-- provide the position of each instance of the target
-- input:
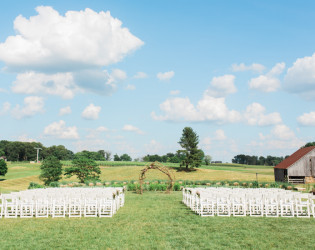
(261, 160)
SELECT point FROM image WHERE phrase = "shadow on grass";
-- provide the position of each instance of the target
(2, 179)
(187, 170)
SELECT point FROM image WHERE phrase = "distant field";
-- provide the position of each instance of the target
(21, 174)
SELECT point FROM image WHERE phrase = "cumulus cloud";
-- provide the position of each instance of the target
(207, 109)
(132, 128)
(300, 78)
(153, 147)
(95, 133)
(49, 40)
(268, 82)
(60, 84)
(165, 76)
(102, 129)
(59, 130)
(25, 138)
(130, 87)
(280, 137)
(65, 111)
(5, 108)
(255, 115)
(91, 112)
(90, 144)
(32, 106)
(220, 135)
(50, 56)
(307, 119)
(140, 75)
(255, 67)
(221, 86)
(174, 92)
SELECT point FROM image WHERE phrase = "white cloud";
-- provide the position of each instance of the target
(3, 90)
(25, 138)
(51, 41)
(165, 76)
(281, 137)
(153, 147)
(96, 133)
(117, 75)
(140, 75)
(255, 115)
(307, 119)
(220, 135)
(102, 129)
(59, 130)
(32, 106)
(91, 145)
(61, 84)
(300, 78)
(65, 111)
(175, 92)
(268, 82)
(255, 67)
(221, 86)
(207, 109)
(5, 108)
(50, 53)
(132, 128)
(130, 87)
(282, 132)
(91, 112)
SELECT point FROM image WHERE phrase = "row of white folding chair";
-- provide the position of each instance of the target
(59, 208)
(254, 205)
(25, 203)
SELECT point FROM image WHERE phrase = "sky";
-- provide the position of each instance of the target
(128, 76)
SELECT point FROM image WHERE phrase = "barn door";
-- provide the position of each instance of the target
(312, 166)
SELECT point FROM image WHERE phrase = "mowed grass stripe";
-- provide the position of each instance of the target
(19, 183)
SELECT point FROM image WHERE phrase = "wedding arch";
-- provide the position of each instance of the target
(160, 167)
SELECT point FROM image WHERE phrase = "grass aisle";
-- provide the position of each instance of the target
(156, 221)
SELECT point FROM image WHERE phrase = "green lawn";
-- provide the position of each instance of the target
(157, 221)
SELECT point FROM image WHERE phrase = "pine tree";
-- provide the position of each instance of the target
(189, 141)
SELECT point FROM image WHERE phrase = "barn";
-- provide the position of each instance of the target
(297, 168)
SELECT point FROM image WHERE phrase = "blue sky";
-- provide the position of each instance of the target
(128, 76)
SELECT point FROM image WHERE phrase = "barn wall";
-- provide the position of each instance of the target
(279, 174)
(303, 166)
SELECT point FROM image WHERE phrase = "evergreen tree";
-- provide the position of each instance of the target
(189, 141)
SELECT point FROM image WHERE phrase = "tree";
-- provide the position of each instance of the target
(189, 141)
(208, 159)
(107, 155)
(116, 157)
(3, 167)
(125, 157)
(85, 169)
(309, 144)
(51, 170)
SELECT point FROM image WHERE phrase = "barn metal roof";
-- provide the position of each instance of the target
(286, 163)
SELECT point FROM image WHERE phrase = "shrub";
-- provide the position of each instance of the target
(34, 185)
(3, 167)
(54, 184)
(176, 187)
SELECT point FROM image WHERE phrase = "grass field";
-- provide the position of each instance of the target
(21, 174)
(156, 220)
